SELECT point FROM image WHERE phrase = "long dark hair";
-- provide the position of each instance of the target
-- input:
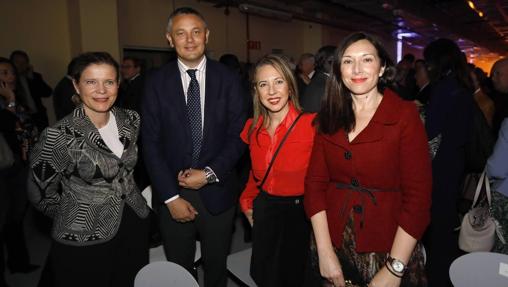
(444, 58)
(337, 105)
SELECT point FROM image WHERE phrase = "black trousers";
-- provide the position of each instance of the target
(111, 264)
(280, 241)
(15, 204)
(214, 232)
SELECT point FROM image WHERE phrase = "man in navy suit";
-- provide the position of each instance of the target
(193, 113)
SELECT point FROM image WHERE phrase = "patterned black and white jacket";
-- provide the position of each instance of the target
(79, 182)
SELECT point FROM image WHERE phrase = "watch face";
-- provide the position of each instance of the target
(397, 266)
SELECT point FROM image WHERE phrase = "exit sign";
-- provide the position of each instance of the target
(254, 45)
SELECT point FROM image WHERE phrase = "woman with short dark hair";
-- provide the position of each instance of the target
(82, 177)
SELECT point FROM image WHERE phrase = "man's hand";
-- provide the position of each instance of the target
(181, 210)
(192, 178)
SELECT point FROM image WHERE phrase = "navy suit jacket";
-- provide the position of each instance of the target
(166, 136)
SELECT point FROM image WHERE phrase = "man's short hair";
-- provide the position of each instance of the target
(183, 11)
(306, 56)
(19, 53)
(409, 57)
(137, 62)
(498, 65)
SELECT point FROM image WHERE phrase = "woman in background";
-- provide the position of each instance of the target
(497, 170)
(17, 127)
(449, 118)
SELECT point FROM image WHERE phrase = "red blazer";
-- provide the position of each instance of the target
(390, 159)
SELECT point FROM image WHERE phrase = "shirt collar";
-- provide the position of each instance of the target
(286, 122)
(200, 67)
(424, 86)
(134, 77)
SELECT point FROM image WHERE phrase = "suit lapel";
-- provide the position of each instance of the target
(83, 124)
(176, 97)
(212, 92)
(126, 128)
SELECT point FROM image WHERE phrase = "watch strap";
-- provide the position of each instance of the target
(389, 267)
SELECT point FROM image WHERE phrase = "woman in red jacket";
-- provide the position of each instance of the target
(368, 184)
(273, 197)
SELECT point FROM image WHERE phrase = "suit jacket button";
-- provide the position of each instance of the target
(354, 182)
(348, 155)
(120, 180)
(123, 196)
(357, 208)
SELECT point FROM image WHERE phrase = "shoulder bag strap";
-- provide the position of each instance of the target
(484, 179)
(278, 149)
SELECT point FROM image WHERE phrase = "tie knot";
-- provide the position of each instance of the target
(192, 73)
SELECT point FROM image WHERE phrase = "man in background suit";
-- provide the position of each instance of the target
(34, 88)
(192, 114)
(131, 88)
(310, 98)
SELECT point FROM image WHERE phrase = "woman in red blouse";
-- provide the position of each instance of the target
(368, 184)
(280, 235)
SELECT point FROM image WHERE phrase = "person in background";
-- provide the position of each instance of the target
(497, 171)
(449, 118)
(368, 184)
(313, 94)
(64, 95)
(422, 82)
(132, 84)
(499, 78)
(305, 71)
(480, 94)
(274, 205)
(193, 113)
(130, 96)
(82, 176)
(34, 88)
(405, 79)
(20, 133)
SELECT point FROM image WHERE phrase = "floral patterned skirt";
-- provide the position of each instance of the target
(360, 268)
(499, 210)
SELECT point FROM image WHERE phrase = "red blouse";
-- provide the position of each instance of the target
(288, 171)
(382, 178)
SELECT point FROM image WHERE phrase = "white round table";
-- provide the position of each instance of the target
(480, 269)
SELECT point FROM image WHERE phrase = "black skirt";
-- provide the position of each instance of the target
(280, 241)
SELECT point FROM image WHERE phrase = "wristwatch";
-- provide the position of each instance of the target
(11, 105)
(397, 265)
(210, 175)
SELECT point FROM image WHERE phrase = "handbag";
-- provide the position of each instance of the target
(478, 228)
(6, 155)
